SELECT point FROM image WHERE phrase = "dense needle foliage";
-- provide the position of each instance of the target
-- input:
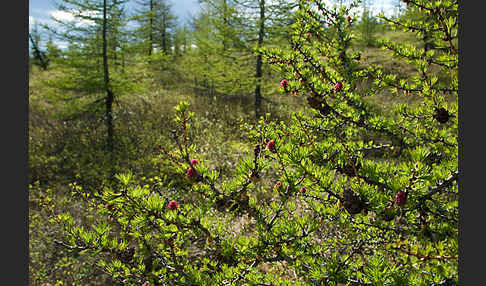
(351, 191)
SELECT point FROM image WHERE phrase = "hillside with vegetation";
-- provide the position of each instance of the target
(261, 143)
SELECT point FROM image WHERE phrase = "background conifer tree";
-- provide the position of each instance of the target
(95, 36)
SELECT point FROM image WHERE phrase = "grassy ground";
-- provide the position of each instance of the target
(62, 152)
(65, 151)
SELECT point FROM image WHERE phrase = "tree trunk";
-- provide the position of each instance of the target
(43, 61)
(114, 33)
(258, 75)
(122, 50)
(151, 28)
(225, 25)
(185, 40)
(164, 34)
(109, 97)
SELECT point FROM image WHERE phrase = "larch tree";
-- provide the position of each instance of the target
(93, 29)
(367, 25)
(350, 191)
(146, 19)
(259, 16)
(220, 60)
(40, 58)
(165, 24)
(156, 27)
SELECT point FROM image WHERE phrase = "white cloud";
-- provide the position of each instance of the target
(64, 17)
(72, 16)
(39, 21)
(388, 8)
(61, 15)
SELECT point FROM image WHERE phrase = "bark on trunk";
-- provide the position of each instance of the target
(114, 40)
(225, 25)
(43, 61)
(109, 96)
(151, 29)
(164, 34)
(258, 75)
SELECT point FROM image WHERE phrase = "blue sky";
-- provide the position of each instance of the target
(39, 10)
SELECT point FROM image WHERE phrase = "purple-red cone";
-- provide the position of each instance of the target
(338, 86)
(173, 205)
(194, 162)
(284, 83)
(271, 146)
(191, 173)
(401, 198)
